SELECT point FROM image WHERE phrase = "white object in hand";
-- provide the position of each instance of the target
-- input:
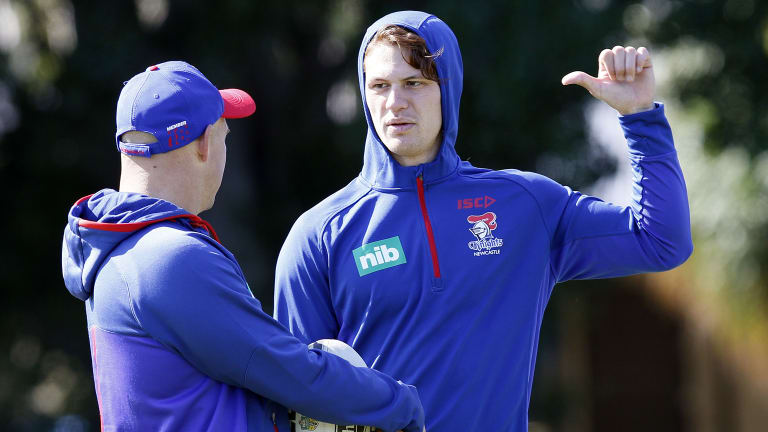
(301, 423)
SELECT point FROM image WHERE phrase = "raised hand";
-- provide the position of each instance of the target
(624, 79)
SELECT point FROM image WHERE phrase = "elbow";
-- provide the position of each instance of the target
(677, 254)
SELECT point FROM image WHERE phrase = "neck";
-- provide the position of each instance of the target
(416, 160)
(159, 179)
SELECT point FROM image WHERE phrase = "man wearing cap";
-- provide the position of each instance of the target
(178, 342)
(438, 272)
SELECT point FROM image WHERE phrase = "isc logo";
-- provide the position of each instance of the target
(479, 202)
(379, 255)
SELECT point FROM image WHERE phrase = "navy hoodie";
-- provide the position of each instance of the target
(179, 343)
(439, 274)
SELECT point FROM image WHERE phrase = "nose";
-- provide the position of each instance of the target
(396, 100)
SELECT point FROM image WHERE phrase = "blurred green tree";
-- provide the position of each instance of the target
(62, 62)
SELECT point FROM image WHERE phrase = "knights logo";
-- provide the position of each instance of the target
(485, 242)
(307, 423)
(301, 422)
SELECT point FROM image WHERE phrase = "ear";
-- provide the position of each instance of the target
(203, 147)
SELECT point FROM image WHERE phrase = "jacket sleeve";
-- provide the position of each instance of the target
(201, 307)
(594, 239)
(302, 288)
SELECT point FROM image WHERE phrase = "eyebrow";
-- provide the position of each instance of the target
(412, 77)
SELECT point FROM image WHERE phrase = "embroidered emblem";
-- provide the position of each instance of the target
(482, 228)
(306, 423)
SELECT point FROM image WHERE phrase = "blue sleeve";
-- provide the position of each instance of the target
(302, 290)
(199, 305)
(594, 239)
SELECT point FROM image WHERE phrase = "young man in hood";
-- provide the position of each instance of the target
(178, 341)
(438, 272)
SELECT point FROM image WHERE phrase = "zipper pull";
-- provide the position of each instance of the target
(274, 421)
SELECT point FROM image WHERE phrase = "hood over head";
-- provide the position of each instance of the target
(99, 222)
(380, 169)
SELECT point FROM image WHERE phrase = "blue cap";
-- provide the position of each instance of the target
(174, 102)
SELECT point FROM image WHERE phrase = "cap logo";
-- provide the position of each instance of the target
(178, 137)
(177, 125)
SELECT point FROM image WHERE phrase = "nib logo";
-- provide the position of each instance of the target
(379, 255)
(479, 202)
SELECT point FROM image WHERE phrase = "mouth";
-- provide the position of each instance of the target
(399, 126)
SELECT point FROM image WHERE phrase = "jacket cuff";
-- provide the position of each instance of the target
(648, 132)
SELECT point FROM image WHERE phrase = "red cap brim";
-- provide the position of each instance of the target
(237, 103)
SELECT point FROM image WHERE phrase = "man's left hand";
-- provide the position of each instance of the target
(624, 79)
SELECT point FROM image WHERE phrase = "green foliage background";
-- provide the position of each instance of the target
(62, 64)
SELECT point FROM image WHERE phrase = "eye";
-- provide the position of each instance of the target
(377, 85)
(414, 83)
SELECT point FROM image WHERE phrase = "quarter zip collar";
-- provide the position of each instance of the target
(382, 171)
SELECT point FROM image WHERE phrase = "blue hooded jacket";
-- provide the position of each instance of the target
(179, 343)
(439, 274)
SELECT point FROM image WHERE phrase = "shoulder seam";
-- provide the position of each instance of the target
(172, 224)
(341, 207)
(333, 214)
(509, 179)
(81, 257)
(114, 262)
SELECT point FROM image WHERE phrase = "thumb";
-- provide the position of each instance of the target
(581, 79)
